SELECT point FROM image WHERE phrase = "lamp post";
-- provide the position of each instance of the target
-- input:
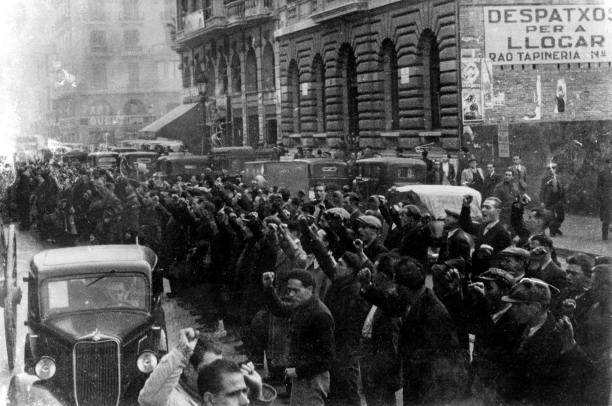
(203, 97)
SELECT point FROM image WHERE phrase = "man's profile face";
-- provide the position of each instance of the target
(493, 293)
(576, 278)
(297, 294)
(490, 212)
(512, 265)
(319, 193)
(234, 392)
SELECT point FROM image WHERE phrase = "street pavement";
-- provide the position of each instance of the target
(582, 234)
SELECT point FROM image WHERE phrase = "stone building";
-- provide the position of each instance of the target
(228, 60)
(323, 72)
(369, 73)
(114, 70)
(536, 83)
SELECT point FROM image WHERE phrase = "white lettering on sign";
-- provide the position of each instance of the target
(329, 169)
(548, 34)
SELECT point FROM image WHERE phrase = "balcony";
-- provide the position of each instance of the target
(241, 11)
(221, 16)
(336, 8)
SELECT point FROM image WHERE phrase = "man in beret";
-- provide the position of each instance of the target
(311, 337)
(548, 367)
(514, 261)
(456, 243)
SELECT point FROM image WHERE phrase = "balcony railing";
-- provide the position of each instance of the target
(240, 9)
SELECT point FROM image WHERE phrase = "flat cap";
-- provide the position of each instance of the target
(451, 213)
(370, 221)
(515, 252)
(338, 211)
(497, 275)
(530, 290)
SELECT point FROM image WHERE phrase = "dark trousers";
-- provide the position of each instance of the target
(558, 212)
(345, 380)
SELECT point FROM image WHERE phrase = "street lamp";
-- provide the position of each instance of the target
(202, 88)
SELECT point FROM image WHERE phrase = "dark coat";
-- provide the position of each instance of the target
(414, 243)
(349, 311)
(433, 363)
(552, 274)
(540, 374)
(311, 335)
(497, 237)
(457, 246)
(488, 186)
(604, 195)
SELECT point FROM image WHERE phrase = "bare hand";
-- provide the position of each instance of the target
(358, 245)
(467, 200)
(477, 289)
(252, 378)
(364, 276)
(566, 333)
(267, 279)
(568, 307)
(188, 337)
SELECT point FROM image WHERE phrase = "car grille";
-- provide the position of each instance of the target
(97, 378)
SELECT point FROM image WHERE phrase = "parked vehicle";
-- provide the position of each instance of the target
(233, 159)
(377, 175)
(184, 165)
(96, 326)
(300, 174)
(138, 164)
(74, 157)
(436, 198)
(104, 160)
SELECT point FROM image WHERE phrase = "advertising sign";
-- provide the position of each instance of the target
(548, 34)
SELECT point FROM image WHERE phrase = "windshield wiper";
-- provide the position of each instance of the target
(101, 277)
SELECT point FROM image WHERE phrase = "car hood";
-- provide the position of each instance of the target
(112, 323)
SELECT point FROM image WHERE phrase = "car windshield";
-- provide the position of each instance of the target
(94, 292)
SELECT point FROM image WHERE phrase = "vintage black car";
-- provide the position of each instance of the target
(95, 327)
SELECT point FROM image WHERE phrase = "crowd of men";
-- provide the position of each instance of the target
(353, 297)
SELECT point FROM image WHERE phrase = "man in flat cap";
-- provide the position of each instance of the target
(542, 266)
(548, 367)
(495, 330)
(514, 261)
(369, 228)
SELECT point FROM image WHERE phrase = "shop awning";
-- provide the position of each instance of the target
(180, 113)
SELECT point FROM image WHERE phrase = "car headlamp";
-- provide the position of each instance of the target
(45, 368)
(147, 361)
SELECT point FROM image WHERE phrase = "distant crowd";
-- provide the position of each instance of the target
(355, 297)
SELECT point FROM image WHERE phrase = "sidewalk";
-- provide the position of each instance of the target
(582, 233)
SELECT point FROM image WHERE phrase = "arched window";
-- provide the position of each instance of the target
(318, 89)
(388, 66)
(236, 75)
(429, 55)
(348, 75)
(222, 85)
(293, 95)
(267, 67)
(250, 71)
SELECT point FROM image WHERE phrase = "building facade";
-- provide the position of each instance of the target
(228, 59)
(536, 83)
(323, 72)
(114, 69)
